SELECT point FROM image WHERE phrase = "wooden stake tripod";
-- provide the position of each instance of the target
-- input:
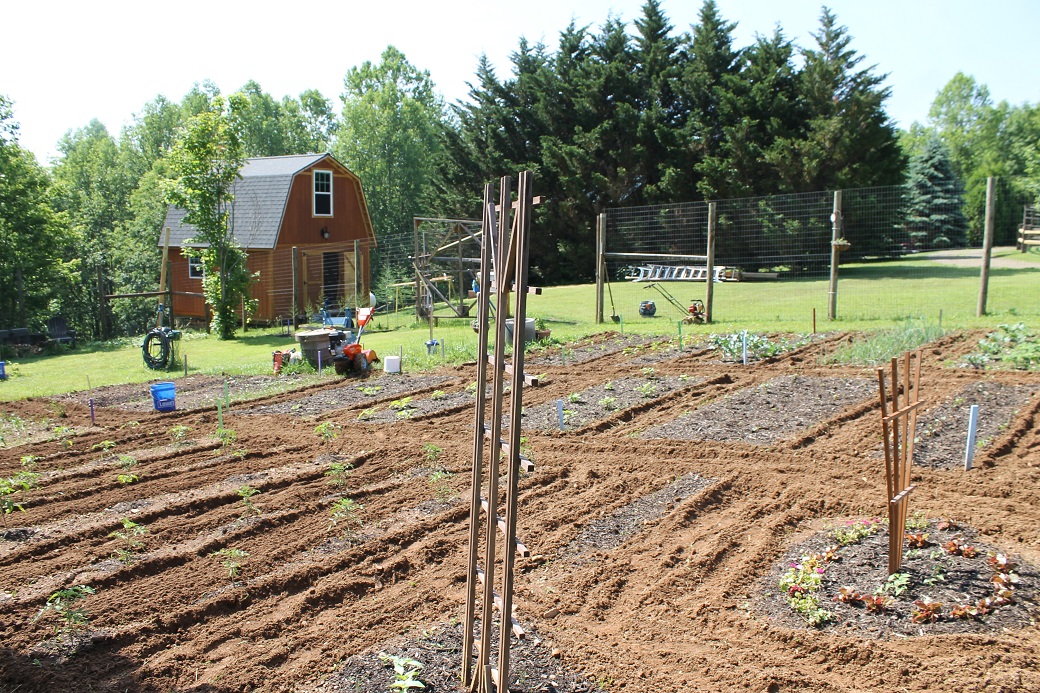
(506, 254)
(898, 430)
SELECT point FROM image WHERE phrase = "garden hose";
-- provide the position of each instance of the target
(157, 349)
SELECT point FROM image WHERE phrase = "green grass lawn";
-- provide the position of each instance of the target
(871, 296)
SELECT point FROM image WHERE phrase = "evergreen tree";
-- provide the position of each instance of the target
(935, 198)
(847, 140)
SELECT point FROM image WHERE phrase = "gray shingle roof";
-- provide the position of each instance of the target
(260, 196)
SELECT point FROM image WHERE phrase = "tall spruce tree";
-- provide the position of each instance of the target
(935, 200)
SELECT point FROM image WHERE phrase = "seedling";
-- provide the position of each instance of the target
(801, 583)
(129, 536)
(406, 672)
(9, 487)
(649, 373)
(608, 403)
(179, 434)
(401, 404)
(246, 493)
(230, 561)
(432, 452)
(346, 511)
(896, 585)
(29, 462)
(369, 390)
(438, 394)
(609, 387)
(647, 389)
(226, 436)
(855, 531)
(574, 398)
(925, 611)
(104, 445)
(366, 414)
(439, 481)
(127, 476)
(918, 522)
(917, 541)
(338, 473)
(327, 431)
(63, 603)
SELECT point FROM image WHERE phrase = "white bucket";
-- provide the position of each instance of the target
(528, 330)
(392, 364)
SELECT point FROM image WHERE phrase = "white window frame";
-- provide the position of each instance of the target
(315, 192)
(196, 270)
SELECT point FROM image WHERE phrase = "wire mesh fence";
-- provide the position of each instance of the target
(900, 254)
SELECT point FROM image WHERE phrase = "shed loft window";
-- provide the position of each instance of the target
(323, 193)
(195, 270)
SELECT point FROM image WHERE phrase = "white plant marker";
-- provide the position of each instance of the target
(969, 449)
(559, 412)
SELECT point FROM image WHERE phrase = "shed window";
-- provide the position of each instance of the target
(323, 193)
(195, 269)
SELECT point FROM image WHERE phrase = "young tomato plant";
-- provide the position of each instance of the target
(230, 560)
(246, 493)
(129, 536)
(406, 672)
(348, 512)
(338, 473)
(127, 476)
(9, 487)
(431, 452)
(327, 431)
(71, 618)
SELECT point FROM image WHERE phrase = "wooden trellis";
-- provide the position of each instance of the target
(898, 429)
(505, 232)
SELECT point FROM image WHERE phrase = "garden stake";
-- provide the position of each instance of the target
(940, 318)
(319, 363)
(220, 416)
(227, 404)
(969, 450)
(743, 346)
(559, 412)
(510, 262)
(185, 365)
(814, 320)
(442, 350)
(621, 322)
(679, 323)
(91, 403)
(898, 430)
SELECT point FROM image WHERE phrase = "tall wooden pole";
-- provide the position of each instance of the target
(987, 246)
(357, 256)
(601, 263)
(162, 274)
(295, 287)
(709, 289)
(832, 292)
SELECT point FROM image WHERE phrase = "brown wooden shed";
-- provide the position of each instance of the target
(309, 202)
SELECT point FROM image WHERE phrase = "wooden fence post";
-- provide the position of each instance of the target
(987, 246)
(295, 287)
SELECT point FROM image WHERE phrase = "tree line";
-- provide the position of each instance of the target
(614, 116)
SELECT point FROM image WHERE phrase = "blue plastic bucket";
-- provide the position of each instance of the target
(3, 373)
(164, 396)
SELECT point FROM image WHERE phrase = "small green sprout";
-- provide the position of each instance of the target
(230, 561)
(327, 431)
(129, 536)
(63, 603)
(246, 493)
(338, 473)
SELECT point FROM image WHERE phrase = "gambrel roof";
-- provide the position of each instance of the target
(260, 196)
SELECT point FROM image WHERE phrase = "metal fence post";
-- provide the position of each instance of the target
(709, 290)
(601, 267)
(832, 293)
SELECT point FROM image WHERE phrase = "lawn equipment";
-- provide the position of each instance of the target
(692, 314)
(347, 352)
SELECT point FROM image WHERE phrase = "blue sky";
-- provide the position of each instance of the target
(68, 62)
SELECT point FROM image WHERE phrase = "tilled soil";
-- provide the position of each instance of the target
(650, 555)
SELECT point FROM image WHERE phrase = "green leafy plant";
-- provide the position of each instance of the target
(439, 481)
(178, 434)
(369, 390)
(327, 431)
(431, 452)
(230, 560)
(917, 522)
(647, 389)
(649, 373)
(401, 404)
(608, 403)
(338, 472)
(127, 476)
(129, 536)
(226, 436)
(246, 493)
(438, 394)
(347, 512)
(367, 414)
(104, 445)
(8, 488)
(64, 602)
(406, 672)
(855, 531)
(609, 386)
(574, 398)
(801, 584)
(896, 585)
